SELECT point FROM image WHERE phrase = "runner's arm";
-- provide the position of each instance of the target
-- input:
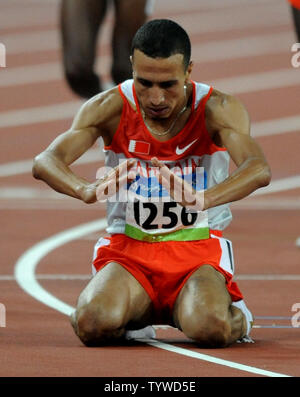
(229, 124)
(52, 165)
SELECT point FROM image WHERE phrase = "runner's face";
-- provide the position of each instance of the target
(159, 84)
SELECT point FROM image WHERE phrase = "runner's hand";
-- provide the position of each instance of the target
(110, 183)
(180, 191)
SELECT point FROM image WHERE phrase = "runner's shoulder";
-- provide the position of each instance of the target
(100, 109)
(224, 110)
(219, 101)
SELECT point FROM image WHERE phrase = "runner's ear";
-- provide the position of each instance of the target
(188, 72)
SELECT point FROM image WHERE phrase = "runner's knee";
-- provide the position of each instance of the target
(211, 329)
(94, 324)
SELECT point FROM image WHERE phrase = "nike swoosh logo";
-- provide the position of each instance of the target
(180, 151)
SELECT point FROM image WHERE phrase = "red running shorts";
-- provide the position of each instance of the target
(162, 268)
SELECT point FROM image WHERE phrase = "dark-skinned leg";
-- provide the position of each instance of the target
(129, 17)
(80, 21)
(203, 310)
(296, 18)
(111, 303)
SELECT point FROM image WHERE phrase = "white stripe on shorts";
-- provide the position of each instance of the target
(227, 263)
(100, 243)
(227, 260)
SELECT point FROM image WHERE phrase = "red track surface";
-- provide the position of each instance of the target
(38, 340)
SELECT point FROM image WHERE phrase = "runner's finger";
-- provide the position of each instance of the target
(112, 185)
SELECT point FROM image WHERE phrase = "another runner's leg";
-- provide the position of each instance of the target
(80, 21)
(296, 18)
(129, 16)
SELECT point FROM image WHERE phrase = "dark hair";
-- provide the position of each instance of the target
(161, 38)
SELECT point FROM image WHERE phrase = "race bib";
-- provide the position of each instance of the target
(153, 216)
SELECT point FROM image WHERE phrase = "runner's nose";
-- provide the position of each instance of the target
(156, 96)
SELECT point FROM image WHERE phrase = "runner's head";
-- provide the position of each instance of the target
(161, 38)
(161, 52)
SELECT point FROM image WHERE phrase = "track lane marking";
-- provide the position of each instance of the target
(217, 50)
(26, 264)
(253, 82)
(211, 359)
(247, 277)
(25, 277)
(49, 40)
(263, 128)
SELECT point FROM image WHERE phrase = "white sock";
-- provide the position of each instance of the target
(249, 318)
(144, 333)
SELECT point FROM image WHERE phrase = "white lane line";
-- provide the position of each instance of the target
(258, 81)
(211, 359)
(25, 277)
(166, 5)
(16, 168)
(266, 204)
(68, 110)
(45, 72)
(276, 186)
(220, 50)
(72, 277)
(25, 166)
(57, 205)
(28, 198)
(239, 18)
(260, 15)
(244, 47)
(38, 205)
(289, 183)
(259, 129)
(27, 18)
(268, 277)
(31, 193)
(275, 126)
(26, 264)
(233, 85)
(29, 42)
(39, 114)
(50, 277)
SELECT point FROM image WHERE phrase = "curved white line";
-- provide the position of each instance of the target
(25, 277)
(26, 264)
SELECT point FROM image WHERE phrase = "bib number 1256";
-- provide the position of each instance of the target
(172, 218)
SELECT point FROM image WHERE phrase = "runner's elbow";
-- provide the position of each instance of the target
(39, 165)
(265, 175)
(36, 167)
